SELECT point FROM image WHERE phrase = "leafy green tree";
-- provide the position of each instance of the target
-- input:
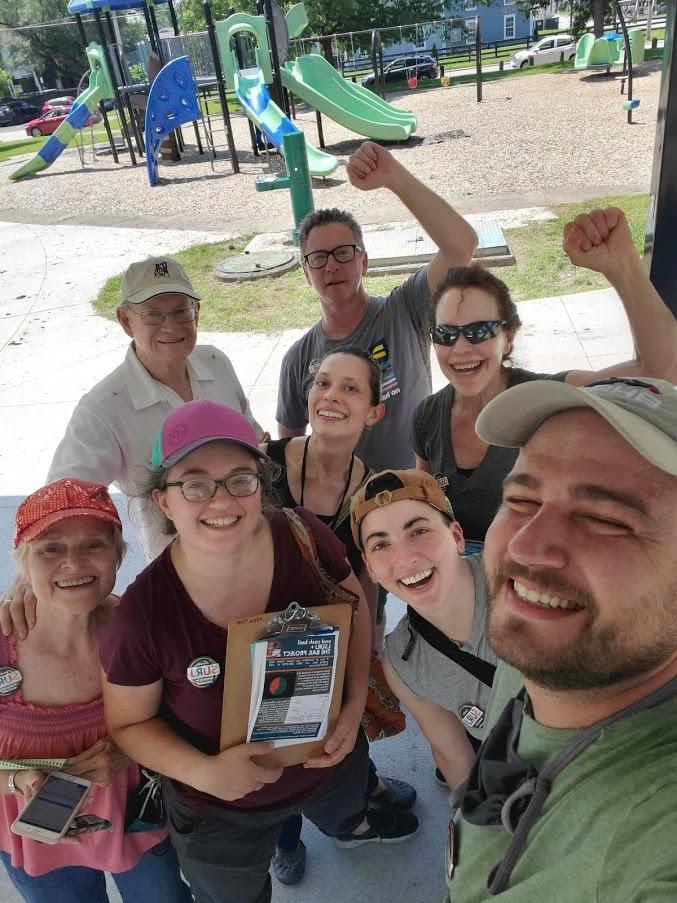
(5, 82)
(55, 52)
(191, 14)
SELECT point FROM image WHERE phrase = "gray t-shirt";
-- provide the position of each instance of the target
(476, 497)
(432, 676)
(394, 330)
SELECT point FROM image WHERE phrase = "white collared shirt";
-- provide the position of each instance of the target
(109, 438)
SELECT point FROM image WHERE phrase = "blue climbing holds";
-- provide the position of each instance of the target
(172, 102)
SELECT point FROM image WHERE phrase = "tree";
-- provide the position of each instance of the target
(600, 11)
(56, 52)
(5, 82)
(191, 14)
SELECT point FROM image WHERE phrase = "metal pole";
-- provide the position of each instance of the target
(172, 16)
(661, 227)
(118, 99)
(221, 86)
(478, 57)
(320, 131)
(628, 57)
(274, 55)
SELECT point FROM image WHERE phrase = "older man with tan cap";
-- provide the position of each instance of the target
(572, 795)
(110, 435)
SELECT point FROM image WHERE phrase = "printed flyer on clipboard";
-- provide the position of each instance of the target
(293, 680)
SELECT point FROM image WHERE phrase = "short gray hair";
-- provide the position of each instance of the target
(327, 217)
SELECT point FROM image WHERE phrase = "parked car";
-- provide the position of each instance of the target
(55, 102)
(51, 121)
(14, 112)
(547, 50)
(404, 68)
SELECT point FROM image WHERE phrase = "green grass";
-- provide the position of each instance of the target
(543, 269)
(287, 302)
(10, 149)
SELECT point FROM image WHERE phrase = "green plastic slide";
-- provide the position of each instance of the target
(315, 81)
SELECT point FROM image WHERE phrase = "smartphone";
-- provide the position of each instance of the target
(49, 815)
(88, 824)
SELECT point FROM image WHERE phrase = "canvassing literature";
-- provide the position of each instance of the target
(292, 684)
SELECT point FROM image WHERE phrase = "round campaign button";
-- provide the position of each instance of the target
(471, 716)
(10, 680)
(203, 671)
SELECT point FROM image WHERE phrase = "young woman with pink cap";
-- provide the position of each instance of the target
(232, 557)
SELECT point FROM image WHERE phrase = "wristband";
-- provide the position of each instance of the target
(11, 786)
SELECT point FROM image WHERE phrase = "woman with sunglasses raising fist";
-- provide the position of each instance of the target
(474, 326)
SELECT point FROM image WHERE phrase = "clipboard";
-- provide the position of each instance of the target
(237, 684)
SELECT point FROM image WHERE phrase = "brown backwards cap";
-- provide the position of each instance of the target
(416, 485)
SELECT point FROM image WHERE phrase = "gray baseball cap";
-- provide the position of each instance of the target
(642, 411)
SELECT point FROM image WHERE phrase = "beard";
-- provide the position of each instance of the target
(599, 655)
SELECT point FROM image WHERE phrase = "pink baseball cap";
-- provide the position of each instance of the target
(196, 423)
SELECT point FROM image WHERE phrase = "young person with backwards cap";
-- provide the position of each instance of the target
(436, 660)
(232, 557)
(110, 435)
(572, 796)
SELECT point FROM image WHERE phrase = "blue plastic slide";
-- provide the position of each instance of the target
(258, 105)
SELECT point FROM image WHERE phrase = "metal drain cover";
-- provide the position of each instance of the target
(255, 265)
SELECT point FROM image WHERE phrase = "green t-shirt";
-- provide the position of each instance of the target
(608, 830)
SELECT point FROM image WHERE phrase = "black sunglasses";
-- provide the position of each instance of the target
(476, 332)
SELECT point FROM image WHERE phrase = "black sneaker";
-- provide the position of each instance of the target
(385, 826)
(439, 777)
(289, 868)
(395, 794)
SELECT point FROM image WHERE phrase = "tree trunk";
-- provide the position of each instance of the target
(325, 41)
(599, 8)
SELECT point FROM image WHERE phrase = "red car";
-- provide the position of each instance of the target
(57, 102)
(51, 121)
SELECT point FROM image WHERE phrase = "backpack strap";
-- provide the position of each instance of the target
(483, 671)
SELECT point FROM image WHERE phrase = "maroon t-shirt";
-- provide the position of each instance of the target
(156, 632)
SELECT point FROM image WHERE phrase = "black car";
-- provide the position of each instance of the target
(404, 68)
(16, 112)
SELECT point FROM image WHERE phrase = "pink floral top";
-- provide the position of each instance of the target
(31, 732)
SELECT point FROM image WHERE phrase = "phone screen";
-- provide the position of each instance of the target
(54, 803)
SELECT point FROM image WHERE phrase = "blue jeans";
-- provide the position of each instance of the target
(154, 879)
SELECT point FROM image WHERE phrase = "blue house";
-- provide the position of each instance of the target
(500, 21)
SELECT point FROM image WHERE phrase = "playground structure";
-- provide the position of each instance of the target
(608, 51)
(310, 78)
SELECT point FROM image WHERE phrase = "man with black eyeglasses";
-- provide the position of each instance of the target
(394, 328)
(109, 437)
(571, 797)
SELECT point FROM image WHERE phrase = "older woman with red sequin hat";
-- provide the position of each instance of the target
(68, 542)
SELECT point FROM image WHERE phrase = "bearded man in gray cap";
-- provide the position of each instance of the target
(572, 796)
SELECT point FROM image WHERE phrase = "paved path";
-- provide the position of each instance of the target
(53, 349)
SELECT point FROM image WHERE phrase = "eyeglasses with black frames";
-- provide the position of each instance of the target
(342, 254)
(202, 489)
(158, 317)
(476, 333)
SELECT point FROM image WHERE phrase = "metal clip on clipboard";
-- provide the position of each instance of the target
(295, 620)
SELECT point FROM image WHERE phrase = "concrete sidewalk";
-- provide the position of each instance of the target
(54, 348)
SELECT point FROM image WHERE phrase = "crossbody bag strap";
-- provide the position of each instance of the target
(539, 788)
(483, 671)
(332, 591)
